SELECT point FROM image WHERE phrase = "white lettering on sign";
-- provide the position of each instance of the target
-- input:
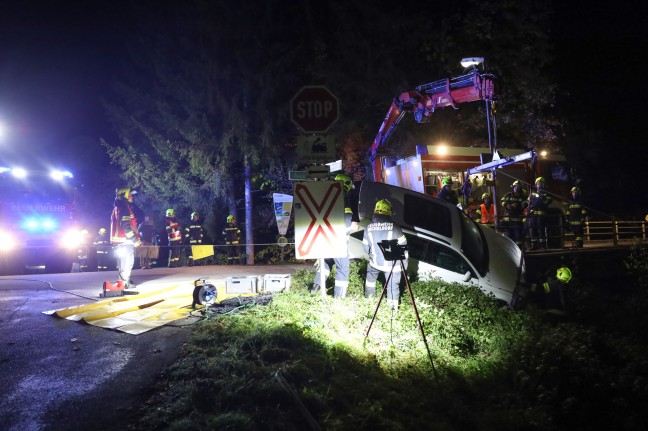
(314, 109)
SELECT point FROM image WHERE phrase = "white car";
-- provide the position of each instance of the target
(443, 242)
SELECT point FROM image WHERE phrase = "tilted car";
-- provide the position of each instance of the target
(443, 242)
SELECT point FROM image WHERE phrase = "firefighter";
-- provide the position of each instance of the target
(446, 193)
(174, 235)
(341, 263)
(232, 235)
(146, 252)
(486, 211)
(514, 203)
(102, 246)
(82, 251)
(551, 295)
(576, 214)
(537, 215)
(383, 228)
(194, 234)
(124, 233)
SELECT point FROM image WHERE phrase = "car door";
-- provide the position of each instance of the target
(429, 259)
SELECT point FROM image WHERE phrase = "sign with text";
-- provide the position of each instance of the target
(320, 230)
(282, 208)
(314, 109)
(315, 149)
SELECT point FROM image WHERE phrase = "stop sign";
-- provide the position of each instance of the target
(314, 109)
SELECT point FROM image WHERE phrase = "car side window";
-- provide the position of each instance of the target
(436, 254)
(427, 214)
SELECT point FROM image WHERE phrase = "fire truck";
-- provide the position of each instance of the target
(38, 225)
(473, 170)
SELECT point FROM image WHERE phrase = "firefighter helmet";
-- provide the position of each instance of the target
(486, 195)
(446, 181)
(540, 180)
(384, 207)
(346, 181)
(230, 218)
(193, 214)
(123, 193)
(575, 189)
(516, 183)
(170, 212)
(102, 231)
(564, 274)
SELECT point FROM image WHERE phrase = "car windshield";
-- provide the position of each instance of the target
(473, 244)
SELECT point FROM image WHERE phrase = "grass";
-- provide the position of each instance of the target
(303, 362)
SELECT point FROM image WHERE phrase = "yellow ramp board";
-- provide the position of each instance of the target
(153, 307)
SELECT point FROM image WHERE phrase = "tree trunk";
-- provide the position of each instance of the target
(249, 236)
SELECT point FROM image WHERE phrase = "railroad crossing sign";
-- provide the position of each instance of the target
(314, 109)
(320, 230)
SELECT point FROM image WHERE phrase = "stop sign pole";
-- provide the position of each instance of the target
(314, 109)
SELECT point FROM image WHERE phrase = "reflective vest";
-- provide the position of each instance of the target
(487, 214)
(173, 229)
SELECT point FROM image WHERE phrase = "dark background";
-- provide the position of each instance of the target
(57, 60)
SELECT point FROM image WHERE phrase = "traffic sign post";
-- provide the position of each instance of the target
(314, 109)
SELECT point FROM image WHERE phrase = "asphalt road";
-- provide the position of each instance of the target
(57, 374)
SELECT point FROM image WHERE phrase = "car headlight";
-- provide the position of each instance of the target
(6, 241)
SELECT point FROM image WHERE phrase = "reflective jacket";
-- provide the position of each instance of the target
(487, 214)
(123, 223)
(514, 206)
(380, 229)
(232, 234)
(173, 230)
(194, 233)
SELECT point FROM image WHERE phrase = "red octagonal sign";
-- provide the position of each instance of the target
(314, 109)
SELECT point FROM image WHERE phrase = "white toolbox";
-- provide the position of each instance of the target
(241, 284)
(276, 282)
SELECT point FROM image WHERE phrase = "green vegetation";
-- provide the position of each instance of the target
(302, 362)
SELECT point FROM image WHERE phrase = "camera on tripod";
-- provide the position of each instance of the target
(392, 250)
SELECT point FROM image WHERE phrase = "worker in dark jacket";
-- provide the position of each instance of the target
(174, 235)
(576, 214)
(514, 203)
(123, 233)
(232, 235)
(194, 234)
(446, 193)
(380, 229)
(537, 215)
(103, 249)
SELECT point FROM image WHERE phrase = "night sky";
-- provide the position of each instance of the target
(57, 60)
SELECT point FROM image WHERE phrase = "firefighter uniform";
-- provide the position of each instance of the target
(486, 211)
(576, 214)
(538, 207)
(514, 203)
(123, 233)
(380, 229)
(341, 263)
(446, 193)
(102, 247)
(194, 234)
(174, 235)
(232, 235)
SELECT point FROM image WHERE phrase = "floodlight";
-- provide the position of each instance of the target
(471, 61)
(59, 175)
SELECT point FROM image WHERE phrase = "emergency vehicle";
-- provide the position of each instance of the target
(38, 225)
(473, 170)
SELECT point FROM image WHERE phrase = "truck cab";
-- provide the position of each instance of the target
(38, 226)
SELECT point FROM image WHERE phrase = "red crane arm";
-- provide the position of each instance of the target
(423, 101)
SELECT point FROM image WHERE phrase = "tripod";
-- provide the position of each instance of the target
(395, 252)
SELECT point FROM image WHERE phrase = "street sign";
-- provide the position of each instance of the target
(315, 149)
(320, 229)
(318, 171)
(314, 109)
